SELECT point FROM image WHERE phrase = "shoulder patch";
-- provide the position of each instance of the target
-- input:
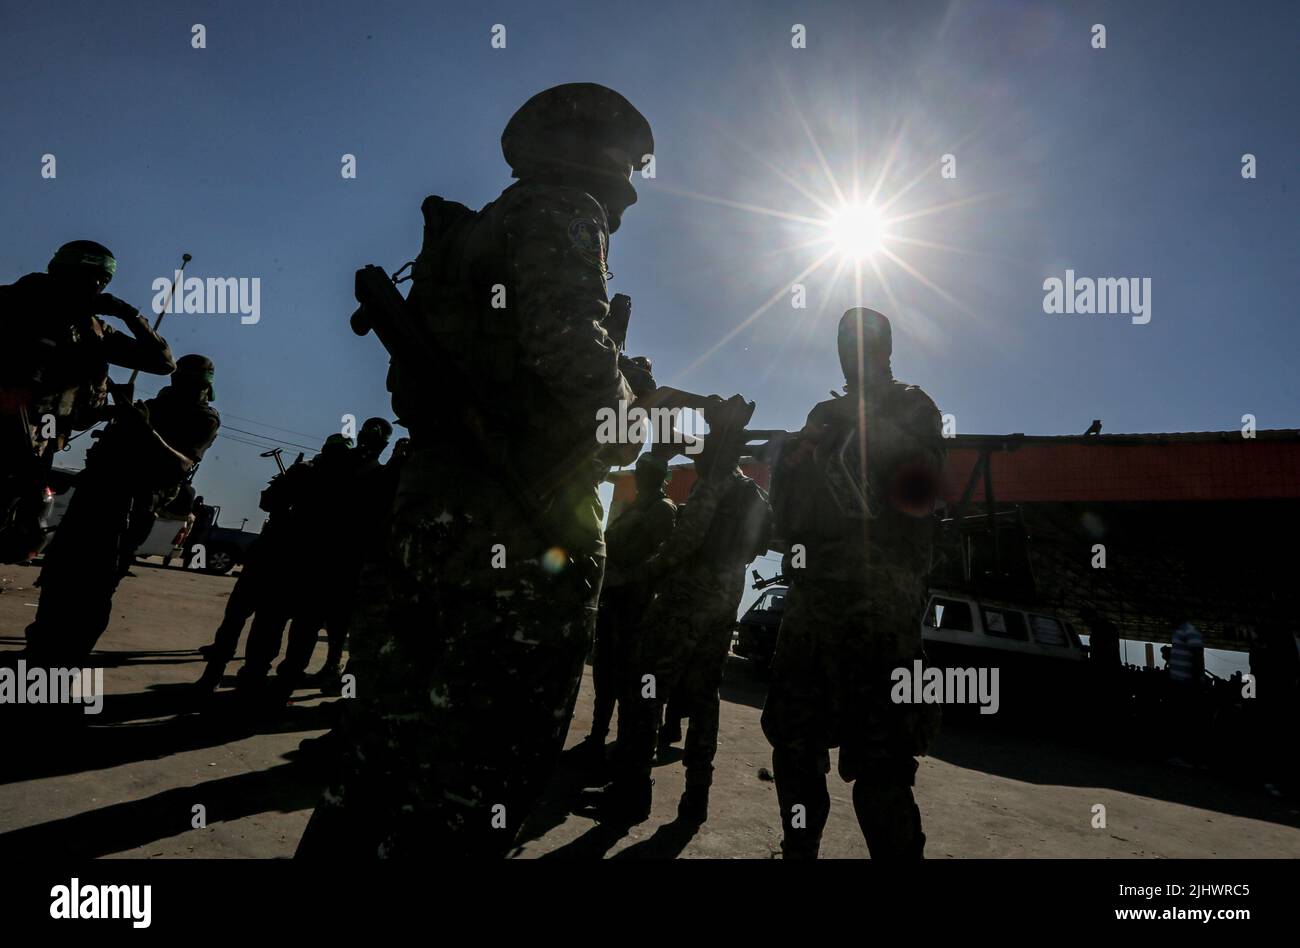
(588, 240)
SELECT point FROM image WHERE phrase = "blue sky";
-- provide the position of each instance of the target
(1122, 162)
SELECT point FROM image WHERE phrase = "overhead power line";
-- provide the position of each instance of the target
(251, 444)
(263, 424)
(258, 434)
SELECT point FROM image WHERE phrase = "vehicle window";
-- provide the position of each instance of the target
(777, 602)
(1047, 631)
(949, 614)
(1005, 624)
(764, 602)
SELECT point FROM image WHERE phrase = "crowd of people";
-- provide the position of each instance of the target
(302, 570)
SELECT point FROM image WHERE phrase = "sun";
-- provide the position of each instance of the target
(857, 231)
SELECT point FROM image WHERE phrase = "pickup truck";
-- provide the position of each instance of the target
(166, 539)
(224, 548)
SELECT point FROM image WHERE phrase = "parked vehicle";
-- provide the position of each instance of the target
(165, 539)
(1024, 642)
(224, 548)
(957, 621)
(58, 494)
(756, 630)
(1038, 656)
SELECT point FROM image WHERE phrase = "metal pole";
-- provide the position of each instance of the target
(275, 453)
(185, 258)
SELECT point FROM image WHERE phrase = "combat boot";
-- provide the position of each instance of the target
(210, 680)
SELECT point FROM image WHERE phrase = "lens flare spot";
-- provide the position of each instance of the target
(554, 560)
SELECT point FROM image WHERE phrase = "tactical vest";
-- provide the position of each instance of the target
(476, 377)
(826, 498)
(462, 258)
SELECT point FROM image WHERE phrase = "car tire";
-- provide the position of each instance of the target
(221, 559)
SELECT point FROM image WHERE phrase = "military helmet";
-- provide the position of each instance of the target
(84, 254)
(652, 464)
(864, 335)
(535, 134)
(374, 436)
(198, 368)
(652, 469)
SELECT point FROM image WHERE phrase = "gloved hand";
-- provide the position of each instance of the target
(109, 305)
(726, 439)
(638, 371)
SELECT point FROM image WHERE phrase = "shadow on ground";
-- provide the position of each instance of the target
(50, 741)
(126, 826)
(1015, 752)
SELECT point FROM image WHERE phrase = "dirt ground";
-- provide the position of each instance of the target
(128, 784)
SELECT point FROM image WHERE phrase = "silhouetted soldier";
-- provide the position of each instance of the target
(467, 672)
(335, 515)
(54, 358)
(854, 495)
(632, 538)
(255, 594)
(149, 447)
(362, 509)
(302, 566)
(699, 575)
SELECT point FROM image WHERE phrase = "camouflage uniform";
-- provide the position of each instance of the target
(852, 615)
(467, 670)
(687, 630)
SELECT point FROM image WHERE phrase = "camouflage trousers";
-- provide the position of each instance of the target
(466, 676)
(683, 653)
(831, 687)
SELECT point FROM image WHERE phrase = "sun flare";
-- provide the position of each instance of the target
(857, 231)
